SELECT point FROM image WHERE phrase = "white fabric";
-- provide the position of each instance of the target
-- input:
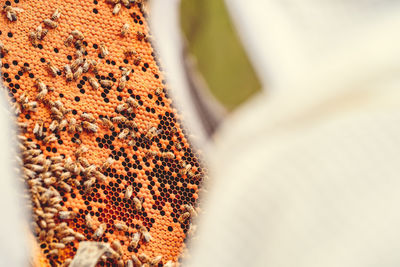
(310, 175)
(14, 218)
(165, 27)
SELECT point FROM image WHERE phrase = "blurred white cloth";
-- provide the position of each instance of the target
(14, 218)
(310, 175)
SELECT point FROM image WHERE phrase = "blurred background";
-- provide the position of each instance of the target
(296, 105)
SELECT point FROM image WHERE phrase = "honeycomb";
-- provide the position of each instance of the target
(104, 155)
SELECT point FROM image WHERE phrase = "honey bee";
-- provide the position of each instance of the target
(79, 236)
(144, 258)
(190, 209)
(132, 102)
(67, 239)
(89, 221)
(119, 119)
(78, 73)
(93, 82)
(52, 69)
(155, 261)
(117, 8)
(122, 107)
(103, 50)
(128, 192)
(25, 69)
(121, 226)
(130, 52)
(123, 134)
(38, 128)
(126, 3)
(77, 34)
(50, 23)
(72, 125)
(3, 49)
(131, 124)
(107, 164)
(140, 36)
(99, 231)
(168, 155)
(186, 168)
(126, 71)
(184, 217)
(151, 154)
(84, 162)
(158, 91)
(108, 123)
(169, 264)
(125, 29)
(89, 183)
(33, 38)
(129, 263)
(11, 12)
(91, 127)
(68, 73)
(106, 83)
(69, 40)
(135, 240)
(151, 133)
(53, 252)
(81, 150)
(57, 245)
(136, 261)
(100, 177)
(137, 60)
(137, 204)
(66, 215)
(88, 117)
(132, 142)
(86, 66)
(49, 139)
(94, 66)
(66, 187)
(56, 15)
(122, 83)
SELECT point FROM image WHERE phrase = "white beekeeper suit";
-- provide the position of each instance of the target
(309, 175)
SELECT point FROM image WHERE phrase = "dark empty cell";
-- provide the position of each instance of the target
(10, 34)
(156, 76)
(74, 112)
(108, 61)
(113, 63)
(42, 60)
(77, 98)
(15, 63)
(95, 11)
(126, 61)
(140, 22)
(95, 46)
(82, 91)
(69, 57)
(56, 50)
(106, 100)
(61, 95)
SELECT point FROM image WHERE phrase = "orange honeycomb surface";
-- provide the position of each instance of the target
(96, 122)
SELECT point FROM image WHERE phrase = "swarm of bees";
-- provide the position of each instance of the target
(49, 176)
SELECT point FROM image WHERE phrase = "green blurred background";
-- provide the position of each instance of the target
(220, 56)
